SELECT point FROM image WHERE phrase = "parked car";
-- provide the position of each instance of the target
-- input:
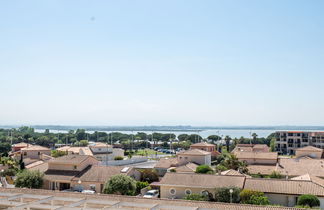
(151, 194)
(88, 191)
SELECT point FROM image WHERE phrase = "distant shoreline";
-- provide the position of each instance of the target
(165, 128)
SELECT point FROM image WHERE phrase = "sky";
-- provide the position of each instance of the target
(163, 62)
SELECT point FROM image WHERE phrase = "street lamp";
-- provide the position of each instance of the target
(231, 192)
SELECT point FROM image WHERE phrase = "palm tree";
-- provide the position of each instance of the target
(227, 141)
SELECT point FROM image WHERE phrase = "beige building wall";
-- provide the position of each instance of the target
(252, 161)
(181, 191)
(35, 154)
(312, 154)
(199, 159)
(72, 167)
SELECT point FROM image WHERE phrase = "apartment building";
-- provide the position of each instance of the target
(288, 141)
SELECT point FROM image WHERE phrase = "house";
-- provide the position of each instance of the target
(105, 152)
(101, 151)
(197, 156)
(286, 192)
(35, 151)
(309, 151)
(178, 185)
(18, 147)
(251, 148)
(188, 168)
(279, 191)
(291, 167)
(257, 158)
(164, 164)
(206, 147)
(79, 172)
(232, 172)
(17, 198)
(96, 176)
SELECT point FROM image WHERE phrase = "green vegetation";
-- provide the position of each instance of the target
(149, 175)
(275, 175)
(146, 152)
(230, 161)
(204, 169)
(8, 172)
(141, 185)
(253, 197)
(29, 179)
(223, 194)
(196, 197)
(308, 201)
(56, 153)
(118, 158)
(120, 184)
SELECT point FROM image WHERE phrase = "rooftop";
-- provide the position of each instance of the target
(34, 147)
(257, 155)
(194, 152)
(310, 149)
(203, 144)
(294, 187)
(70, 159)
(46, 199)
(201, 180)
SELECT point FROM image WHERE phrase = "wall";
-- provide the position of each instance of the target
(201, 159)
(251, 161)
(282, 199)
(34, 154)
(180, 191)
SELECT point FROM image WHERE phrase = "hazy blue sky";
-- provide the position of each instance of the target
(162, 62)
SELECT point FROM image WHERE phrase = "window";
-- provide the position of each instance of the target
(205, 193)
(173, 191)
(74, 167)
(25, 153)
(188, 192)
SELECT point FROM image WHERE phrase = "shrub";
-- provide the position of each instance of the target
(223, 194)
(245, 195)
(57, 153)
(120, 184)
(118, 158)
(259, 200)
(149, 176)
(29, 179)
(8, 172)
(141, 185)
(204, 169)
(275, 175)
(196, 197)
(220, 168)
(308, 200)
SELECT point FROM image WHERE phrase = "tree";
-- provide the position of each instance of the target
(29, 179)
(231, 162)
(84, 143)
(214, 138)
(308, 200)
(141, 185)
(183, 137)
(228, 141)
(21, 163)
(272, 144)
(253, 197)
(120, 184)
(149, 176)
(5, 148)
(204, 169)
(223, 194)
(196, 197)
(254, 136)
